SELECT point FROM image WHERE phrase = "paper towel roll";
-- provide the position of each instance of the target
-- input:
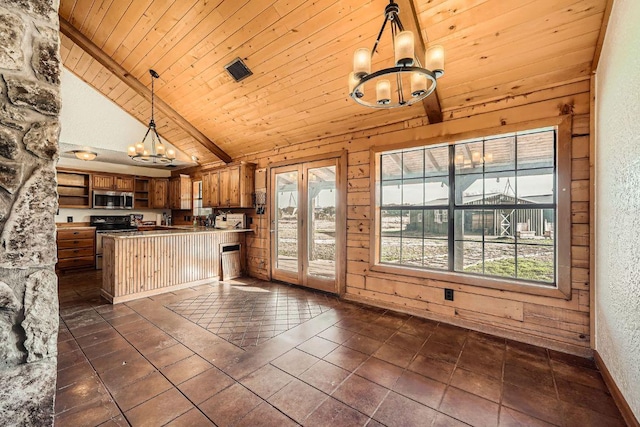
(158, 219)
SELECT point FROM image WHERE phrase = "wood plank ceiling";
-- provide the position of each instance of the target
(300, 52)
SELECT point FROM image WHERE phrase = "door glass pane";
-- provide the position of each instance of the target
(321, 192)
(286, 221)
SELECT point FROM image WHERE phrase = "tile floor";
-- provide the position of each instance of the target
(335, 364)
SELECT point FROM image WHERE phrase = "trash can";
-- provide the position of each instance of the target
(230, 261)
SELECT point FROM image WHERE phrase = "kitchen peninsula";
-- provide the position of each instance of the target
(145, 263)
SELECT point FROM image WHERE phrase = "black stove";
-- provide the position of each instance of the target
(111, 223)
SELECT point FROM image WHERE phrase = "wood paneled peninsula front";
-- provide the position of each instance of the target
(145, 263)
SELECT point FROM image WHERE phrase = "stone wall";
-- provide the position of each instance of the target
(29, 129)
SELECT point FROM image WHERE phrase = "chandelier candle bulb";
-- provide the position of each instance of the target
(160, 149)
(383, 91)
(434, 59)
(139, 148)
(403, 46)
(418, 84)
(362, 62)
(131, 151)
(171, 153)
(488, 157)
(475, 157)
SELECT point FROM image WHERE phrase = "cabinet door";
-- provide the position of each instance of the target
(214, 195)
(160, 193)
(174, 193)
(206, 190)
(124, 183)
(224, 188)
(234, 186)
(103, 182)
(247, 177)
(184, 192)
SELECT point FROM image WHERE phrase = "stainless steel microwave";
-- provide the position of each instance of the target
(112, 200)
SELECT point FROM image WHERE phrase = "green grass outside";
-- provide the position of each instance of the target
(528, 269)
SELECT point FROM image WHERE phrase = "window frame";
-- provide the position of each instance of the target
(562, 286)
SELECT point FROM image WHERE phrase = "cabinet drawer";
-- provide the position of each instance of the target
(75, 263)
(76, 243)
(75, 253)
(75, 234)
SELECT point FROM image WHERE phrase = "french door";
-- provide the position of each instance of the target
(308, 224)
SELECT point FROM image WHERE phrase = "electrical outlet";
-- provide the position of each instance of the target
(448, 294)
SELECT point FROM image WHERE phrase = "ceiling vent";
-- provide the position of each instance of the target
(238, 69)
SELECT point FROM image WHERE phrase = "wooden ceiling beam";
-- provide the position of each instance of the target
(409, 19)
(94, 51)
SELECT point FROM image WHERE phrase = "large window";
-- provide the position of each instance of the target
(484, 206)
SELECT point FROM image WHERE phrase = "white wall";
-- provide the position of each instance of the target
(89, 118)
(618, 201)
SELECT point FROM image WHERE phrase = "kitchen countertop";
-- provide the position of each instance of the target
(173, 231)
(71, 225)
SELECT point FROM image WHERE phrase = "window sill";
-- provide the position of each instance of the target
(465, 279)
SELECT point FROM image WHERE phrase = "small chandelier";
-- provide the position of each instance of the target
(407, 72)
(158, 153)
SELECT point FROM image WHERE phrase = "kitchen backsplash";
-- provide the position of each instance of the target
(82, 215)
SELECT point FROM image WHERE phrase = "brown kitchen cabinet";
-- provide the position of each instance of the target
(180, 192)
(211, 189)
(229, 187)
(125, 183)
(142, 192)
(160, 193)
(112, 182)
(76, 248)
(74, 189)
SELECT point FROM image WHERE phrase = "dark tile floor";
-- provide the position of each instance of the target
(335, 364)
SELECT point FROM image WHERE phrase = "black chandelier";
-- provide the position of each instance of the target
(407, 72)
(158, 153)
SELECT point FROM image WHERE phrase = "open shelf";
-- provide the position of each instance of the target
(142, 189)
(73, 189)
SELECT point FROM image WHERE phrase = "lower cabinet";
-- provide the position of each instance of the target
(76, 248)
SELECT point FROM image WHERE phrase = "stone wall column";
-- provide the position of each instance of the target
(29, 129)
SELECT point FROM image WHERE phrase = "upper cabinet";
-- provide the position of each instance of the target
(229, 187)
(180, 192)
(142, 192)
(124, 183)
(160, 193)
(74, 189)
(112, 182)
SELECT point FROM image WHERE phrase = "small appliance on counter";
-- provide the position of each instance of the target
(231, 221)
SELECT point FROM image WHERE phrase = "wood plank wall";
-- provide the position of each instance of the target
(553, 322)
